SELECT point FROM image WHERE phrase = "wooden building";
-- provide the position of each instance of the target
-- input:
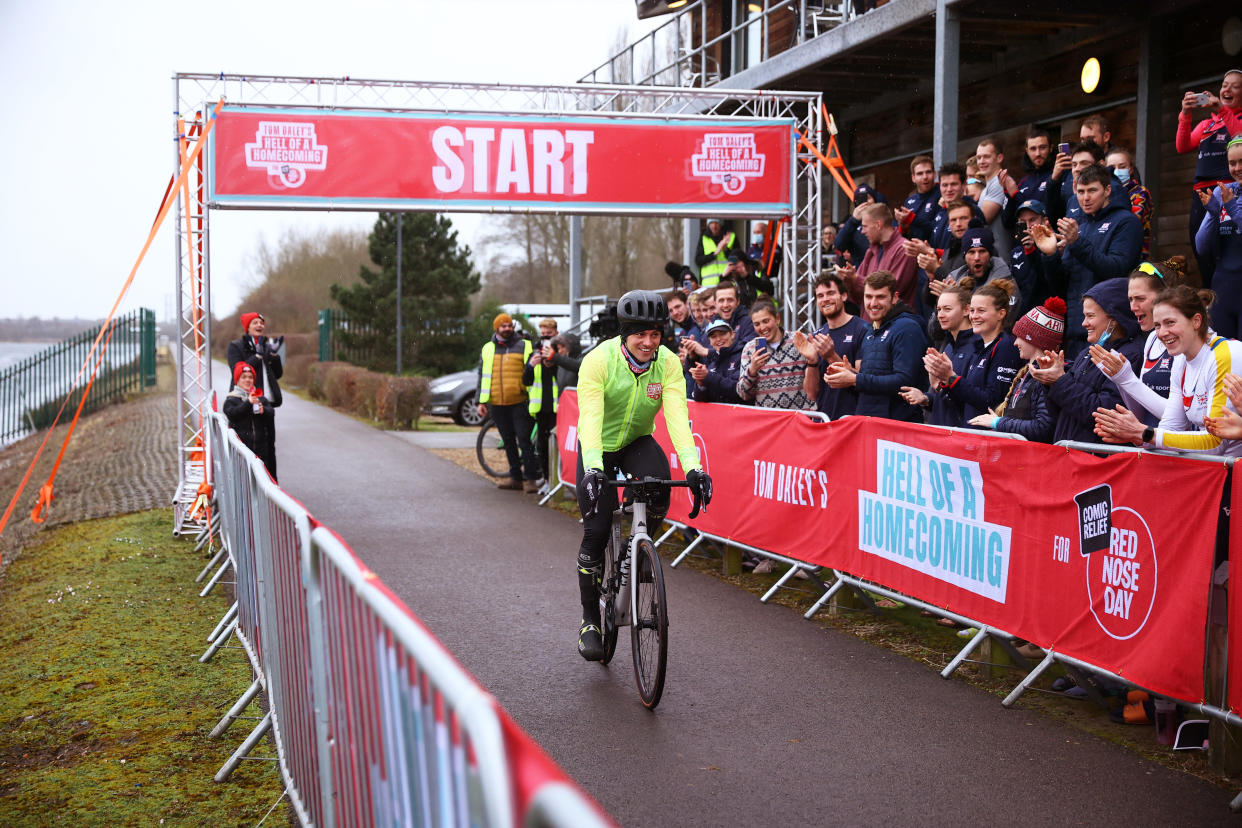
(909, 77)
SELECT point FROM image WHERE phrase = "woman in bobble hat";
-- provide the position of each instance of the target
(251, 416)
(260, 353)
(1025, 410)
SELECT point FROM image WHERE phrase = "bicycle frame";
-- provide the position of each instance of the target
(634, 593)
(625, 602)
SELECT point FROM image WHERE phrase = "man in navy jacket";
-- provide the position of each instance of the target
(918, 213)
(891, 355)
(1107, 243)
(1037, 163)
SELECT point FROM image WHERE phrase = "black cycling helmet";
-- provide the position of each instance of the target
(641, 310)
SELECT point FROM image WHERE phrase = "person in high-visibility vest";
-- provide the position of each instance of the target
(539, 376)
(502, 396)
(715, 247)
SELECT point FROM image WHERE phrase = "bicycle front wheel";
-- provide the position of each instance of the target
(607, 597)
(490, 451)
(649, 625)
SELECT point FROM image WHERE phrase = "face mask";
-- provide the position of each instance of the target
(757, 238)
(1122, 175)
(1108, 333)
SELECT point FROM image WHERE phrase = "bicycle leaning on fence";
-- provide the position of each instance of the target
(489, 448)
(632, 593)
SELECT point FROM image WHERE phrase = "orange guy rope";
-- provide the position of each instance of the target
(46, 490)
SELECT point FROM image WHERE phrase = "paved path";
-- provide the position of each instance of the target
(766, 719)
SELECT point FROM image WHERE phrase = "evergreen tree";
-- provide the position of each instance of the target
(437, 282)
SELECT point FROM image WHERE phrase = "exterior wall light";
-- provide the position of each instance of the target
(1090, 75)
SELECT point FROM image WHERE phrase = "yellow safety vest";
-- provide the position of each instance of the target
(536, 391)
(710, 273)
(510, 389)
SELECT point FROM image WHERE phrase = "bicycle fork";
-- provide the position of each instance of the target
(624, 600)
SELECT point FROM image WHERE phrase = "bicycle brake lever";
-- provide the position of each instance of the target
(697, 506)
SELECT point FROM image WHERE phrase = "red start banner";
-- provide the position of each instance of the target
(264, 157)
(1107, 560)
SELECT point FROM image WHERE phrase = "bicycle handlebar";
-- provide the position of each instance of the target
(639, 485)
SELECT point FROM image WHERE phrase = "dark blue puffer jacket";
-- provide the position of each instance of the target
(1084, 387)
(1027, 411)
(1109, 246)
(892, 356)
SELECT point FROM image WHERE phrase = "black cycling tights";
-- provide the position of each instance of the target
(642, 458)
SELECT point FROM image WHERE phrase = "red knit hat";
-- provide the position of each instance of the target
(247, 318)
(242, 368)
(1044, 326)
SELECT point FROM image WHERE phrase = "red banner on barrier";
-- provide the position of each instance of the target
(1090, 556)
(1234, 674)
(458, 162)
(567, 435)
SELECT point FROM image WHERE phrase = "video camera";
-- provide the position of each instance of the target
(605, 324)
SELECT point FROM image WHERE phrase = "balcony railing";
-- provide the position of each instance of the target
(708, 40)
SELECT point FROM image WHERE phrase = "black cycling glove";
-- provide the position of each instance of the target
(592, 487)
(701, 482)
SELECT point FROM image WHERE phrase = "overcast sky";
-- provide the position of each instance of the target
(86, 149)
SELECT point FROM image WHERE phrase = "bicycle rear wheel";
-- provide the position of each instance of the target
(649, 625)
(608, 595)
(490, 451)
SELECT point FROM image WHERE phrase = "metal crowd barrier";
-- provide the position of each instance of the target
(864, 589)
(373, 720)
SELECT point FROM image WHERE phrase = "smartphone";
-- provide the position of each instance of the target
(1063, 149)
(761, 343)
(1022, 228)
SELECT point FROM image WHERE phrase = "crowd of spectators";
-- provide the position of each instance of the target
(1029, 306)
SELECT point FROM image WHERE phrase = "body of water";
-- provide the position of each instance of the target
(13, 352)
(49, 383)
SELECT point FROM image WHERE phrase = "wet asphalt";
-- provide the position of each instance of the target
(766, 719)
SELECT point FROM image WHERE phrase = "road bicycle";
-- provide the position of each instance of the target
(644, 607)
(490, 449)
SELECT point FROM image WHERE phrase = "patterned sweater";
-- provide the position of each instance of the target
(779, 384)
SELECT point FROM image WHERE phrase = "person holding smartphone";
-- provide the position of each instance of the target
(1210, 138)
(1220, 236)
(772, 365)
(250, 415)
(1026, 263)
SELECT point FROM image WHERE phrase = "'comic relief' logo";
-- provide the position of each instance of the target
(1121, 562)
(286, 149)
(728, 159)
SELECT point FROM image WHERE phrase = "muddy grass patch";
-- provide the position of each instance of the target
(104, 708)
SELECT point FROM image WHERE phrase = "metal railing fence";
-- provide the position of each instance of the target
(374, 721)
(31, 391)
(684, 51)
(342, 338)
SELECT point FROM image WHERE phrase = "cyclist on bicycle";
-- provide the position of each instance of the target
(621, 385)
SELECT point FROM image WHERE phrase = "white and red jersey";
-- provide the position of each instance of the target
(1197, 390)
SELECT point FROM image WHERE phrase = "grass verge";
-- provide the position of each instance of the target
(104, 708)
